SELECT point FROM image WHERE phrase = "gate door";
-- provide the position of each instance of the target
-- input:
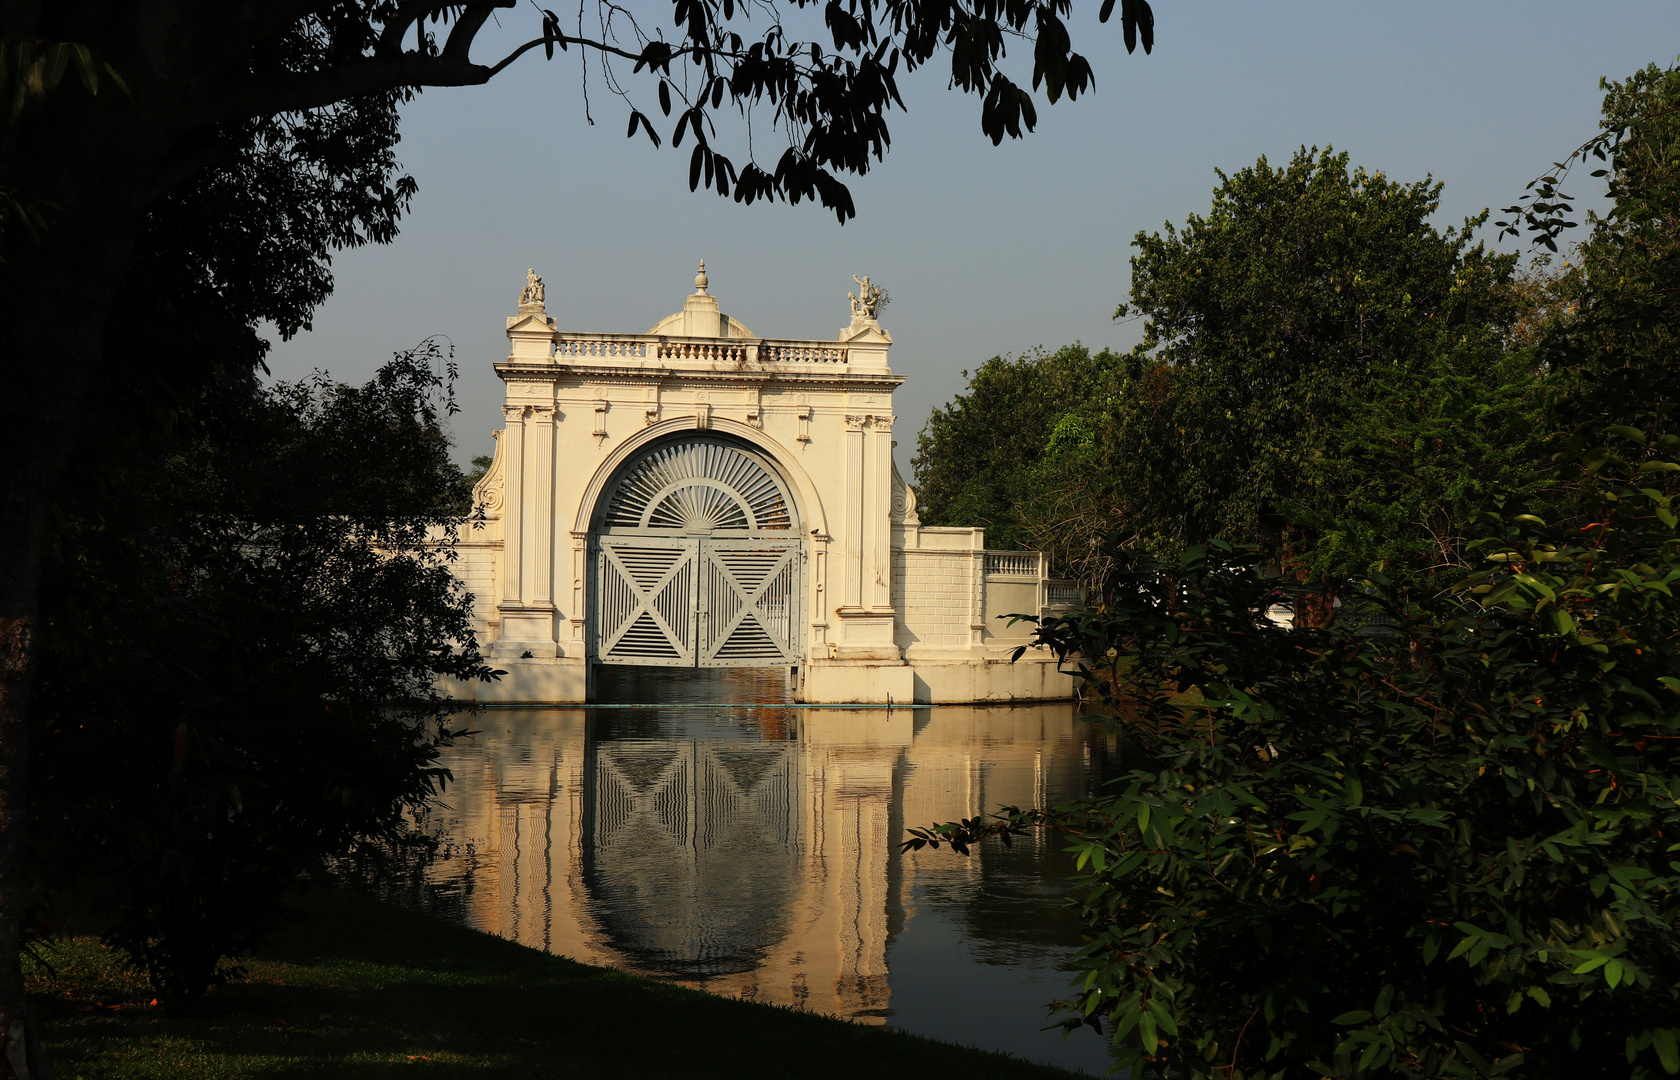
(749, 603)
(647, 599)
(697, 560)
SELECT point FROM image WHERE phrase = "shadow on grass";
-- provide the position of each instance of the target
(363, 990)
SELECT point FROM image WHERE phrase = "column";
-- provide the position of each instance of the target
(854, 541)
(513, 504)
(539, 477)
(877, 516)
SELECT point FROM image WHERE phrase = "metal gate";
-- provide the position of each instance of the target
(697, 601)
(697, 562)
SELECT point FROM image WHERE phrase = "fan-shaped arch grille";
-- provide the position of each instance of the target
(698, 485)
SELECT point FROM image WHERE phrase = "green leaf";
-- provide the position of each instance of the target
(1146, 1032)
(1663, 1042)
(1348, 1019)
(1163, 1018)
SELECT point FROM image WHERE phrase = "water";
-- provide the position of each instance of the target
(754, 851)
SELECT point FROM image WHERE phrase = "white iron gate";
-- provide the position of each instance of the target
(646, 605)
(749, 601)
(697, 601)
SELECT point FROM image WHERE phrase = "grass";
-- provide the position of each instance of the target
(364, 990)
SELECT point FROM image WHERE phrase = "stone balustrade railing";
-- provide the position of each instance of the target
(1023, 564)
(680, 349)
(603, 346)
(1062, 595)
(779, 352)
(706, 350)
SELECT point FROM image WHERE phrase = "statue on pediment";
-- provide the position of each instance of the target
(868, 299)
(531, 297)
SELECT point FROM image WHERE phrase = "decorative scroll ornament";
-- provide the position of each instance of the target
(868, 299)
(531, 297)
(903, 500)
(490, 491)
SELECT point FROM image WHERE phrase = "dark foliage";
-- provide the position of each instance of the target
(238, 681)
(245, 606)
(1445, 849)
(976, 458)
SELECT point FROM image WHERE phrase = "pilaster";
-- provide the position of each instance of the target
(513, 512)
(852, 546)
(539, 479)
(877, 522)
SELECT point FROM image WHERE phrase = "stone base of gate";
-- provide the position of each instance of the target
(531, 681)
(967, 681)
(858, 682)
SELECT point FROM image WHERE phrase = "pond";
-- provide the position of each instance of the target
(699, 830)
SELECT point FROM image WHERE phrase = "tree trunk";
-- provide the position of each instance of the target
(1315, 604)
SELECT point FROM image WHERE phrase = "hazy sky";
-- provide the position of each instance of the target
(985, 250)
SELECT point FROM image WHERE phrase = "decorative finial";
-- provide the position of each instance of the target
(531, 296)
(700, 280)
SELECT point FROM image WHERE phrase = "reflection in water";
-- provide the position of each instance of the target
(754, 851)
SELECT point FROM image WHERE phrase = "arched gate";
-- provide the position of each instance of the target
(697, 560)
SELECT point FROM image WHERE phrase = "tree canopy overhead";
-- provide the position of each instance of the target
(827, 99)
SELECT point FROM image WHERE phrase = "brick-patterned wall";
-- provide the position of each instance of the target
(475, 566)
(935, 594)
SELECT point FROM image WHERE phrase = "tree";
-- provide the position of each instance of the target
(975, 458)
(1441, 851)
(1306, 294)
(103, 164)
(1323, 374)
(1613, 335)
(241, 651)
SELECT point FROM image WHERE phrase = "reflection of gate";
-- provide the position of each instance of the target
(697, 562)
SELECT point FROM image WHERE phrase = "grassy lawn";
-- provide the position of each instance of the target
(365, 990)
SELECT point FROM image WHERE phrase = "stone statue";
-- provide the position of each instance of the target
(531, 296)
(867, 299)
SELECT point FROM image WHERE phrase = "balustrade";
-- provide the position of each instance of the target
(701, 350)
(776, 353)
(1063, 594)
(1012, 564)
(615, 348)
(638, 347)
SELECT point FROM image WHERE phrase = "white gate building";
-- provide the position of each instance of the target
(698, 496)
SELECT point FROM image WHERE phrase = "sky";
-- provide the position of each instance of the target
(984, 250)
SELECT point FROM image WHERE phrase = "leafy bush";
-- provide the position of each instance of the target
(1446, 848)
(240, 649)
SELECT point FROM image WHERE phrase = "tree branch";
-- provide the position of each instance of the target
(289, 93)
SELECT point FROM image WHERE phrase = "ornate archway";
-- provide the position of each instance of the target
(697, 559)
